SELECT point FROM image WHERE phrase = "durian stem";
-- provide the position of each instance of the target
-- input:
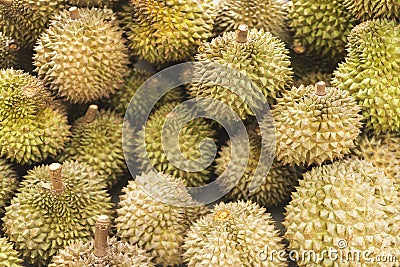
(74, 13)
(56, 178)
(6, 2)
(320, 88)
(241, 34)
(101, 235)
(91, 113)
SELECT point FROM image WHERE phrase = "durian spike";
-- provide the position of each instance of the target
(241, 34)
(320, 88)
(91, 113)
(56, 178)
(6, 2)
(74, 12)
(101, 236)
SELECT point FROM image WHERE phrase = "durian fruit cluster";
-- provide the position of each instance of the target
(329, 71)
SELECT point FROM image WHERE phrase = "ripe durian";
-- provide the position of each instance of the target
(372, 9)
(97, 140)
(313, 78)
(271, 16)
(8, 184)
(255, 53)
(102, 252)
(151, 215)
(56, 206)
(233, 234)
(348, 206)
(82, 56)
(370, 73)
(8, 255)
(32, 125)
(315, 124)
(150, 139)
(8, 52)
(321, 27)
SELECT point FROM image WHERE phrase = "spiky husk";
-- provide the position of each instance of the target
(371, 73)
(8, 184)
(41, 222)
(372, 9)
(348, 206)
(163, 31)
(233, 234)
(119, 254)
(313, 129)
(82, 59)
(271, 16)
(152, 221)
(8, 255)
(8, 52)
(32, 125)
(99, 144)
(190, 137)
(312, 78)
(263, 59)
(92, 3)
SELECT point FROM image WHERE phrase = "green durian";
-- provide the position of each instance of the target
(8, 52)
(151, 216)
(233, 234)
(313, 78)
(370, 73)
(372, 9)
(56, 206)
(82, 56)
(321, 27)
(97, 140)
(33, 126)
(150, 138)
(8, 184)
(349, 206)
(162, 31)
(270, 15)
(8, 255)
(315, 124)
(256, 54)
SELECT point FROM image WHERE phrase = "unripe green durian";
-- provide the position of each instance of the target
(372, 9)
(370, 73)
(8, 255)
(315, 124)
(8, 184)
(32, 125)
(233, 234)
(97, 140)
(349, 206)
(82, 56)
(256, 54)
(151, 215)
(56, 206)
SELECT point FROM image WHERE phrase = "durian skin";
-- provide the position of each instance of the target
(8, 184)
(33, 125)
(371, 9)
(370, 73)
(263, 59)
(99, 144)
(233, 234)
(312, 129)
(8, 52)
(85, 59)
(120, 254)
(162, 31)
(348, 200)
(8, 255)
(40, 222)
(312, 78)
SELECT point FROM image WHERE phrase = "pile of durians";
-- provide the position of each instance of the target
(329, 70)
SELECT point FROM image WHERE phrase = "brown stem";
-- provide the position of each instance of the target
(91, 113)
(101, 236)
(241, 34)
(74, 13)
(320, 88)
(56, 178)
(6, 2)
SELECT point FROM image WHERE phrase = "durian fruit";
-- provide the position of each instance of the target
(255, 54)
(348, 206)
(56, 206)
(271, 16)
(149, 145)
(372, 9)
(233, 234)
(315, 124)
(8, 52)
(313, 78)
(8, 255)
(102, 252)
(97, 140)
(321, 27)
(370, 73)
(151, 216)
(162, 31)
(32, 125)
(275, 187)
(8, 184)
(82, 56)
(92, 3)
